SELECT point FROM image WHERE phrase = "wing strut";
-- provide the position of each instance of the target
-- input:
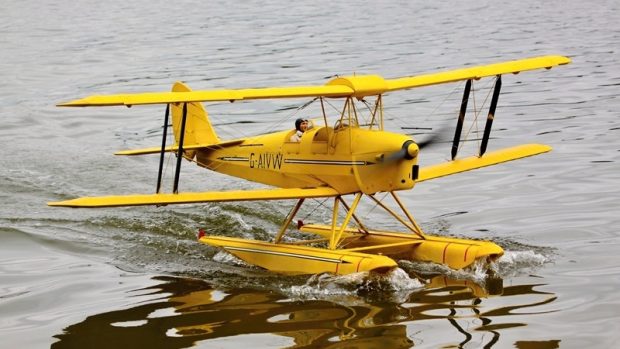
(459, 123)
(177, 172)
(491, 116)
(163, 149)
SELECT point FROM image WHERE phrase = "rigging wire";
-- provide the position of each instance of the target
(477, 112)
(319, 204)
(376, 204)
(280, 121)
(430, 115)
(269, 129)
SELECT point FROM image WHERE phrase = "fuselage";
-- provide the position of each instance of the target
(348, 159)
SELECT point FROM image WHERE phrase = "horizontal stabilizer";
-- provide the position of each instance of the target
(174, 148)
(189, 198)
(474, 162)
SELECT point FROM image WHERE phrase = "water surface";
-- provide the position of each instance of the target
(135, 277)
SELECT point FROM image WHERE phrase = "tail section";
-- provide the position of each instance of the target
(198, 129)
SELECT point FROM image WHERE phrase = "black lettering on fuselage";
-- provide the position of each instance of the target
(278, 161)
(267, 161)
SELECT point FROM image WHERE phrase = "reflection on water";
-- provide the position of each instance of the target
(186, 312)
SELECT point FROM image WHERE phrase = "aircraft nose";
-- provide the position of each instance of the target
(412, 149)
(408, 151)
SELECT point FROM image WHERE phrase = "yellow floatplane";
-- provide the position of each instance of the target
(354, 156)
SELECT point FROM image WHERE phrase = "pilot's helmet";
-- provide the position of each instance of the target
(298, 123)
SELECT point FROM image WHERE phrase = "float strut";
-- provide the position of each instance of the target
(359, 223)
(288, 221)
(333, 242)
(411, 220)
(461, 119)
(163, 149)
(491, 116)
(175, 188)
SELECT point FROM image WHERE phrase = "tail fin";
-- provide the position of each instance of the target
(198, 129)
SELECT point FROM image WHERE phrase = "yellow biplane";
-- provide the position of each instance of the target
(348, 158)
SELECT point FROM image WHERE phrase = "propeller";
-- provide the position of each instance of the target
(432, 139)
(408, 151)
(410, 148)
(389, 172)
(437, 136)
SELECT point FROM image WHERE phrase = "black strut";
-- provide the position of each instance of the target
(491, 116)
(163, 149)
(175, 188)
(459, 123)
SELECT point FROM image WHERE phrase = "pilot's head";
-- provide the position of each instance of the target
(301, 125)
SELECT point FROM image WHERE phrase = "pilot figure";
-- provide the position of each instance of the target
(301, 125)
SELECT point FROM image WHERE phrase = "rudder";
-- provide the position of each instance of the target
(198, 129)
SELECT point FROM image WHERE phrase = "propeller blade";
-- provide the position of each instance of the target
(432, 139)
(408, 151)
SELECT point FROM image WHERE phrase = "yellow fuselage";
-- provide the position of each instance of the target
(349, 159)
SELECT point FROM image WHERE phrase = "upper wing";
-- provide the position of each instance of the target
(474, 162)
(348, 86)
(478, 72)
(210, 96)
(189, 198)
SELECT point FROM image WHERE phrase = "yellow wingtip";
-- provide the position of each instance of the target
(74, 103)
(58, 203)
(95, 101)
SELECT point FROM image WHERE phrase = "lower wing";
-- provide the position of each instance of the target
(426, 173)
(188, 198)
(474, 162)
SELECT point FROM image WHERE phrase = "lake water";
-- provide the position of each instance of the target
(136, 277)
